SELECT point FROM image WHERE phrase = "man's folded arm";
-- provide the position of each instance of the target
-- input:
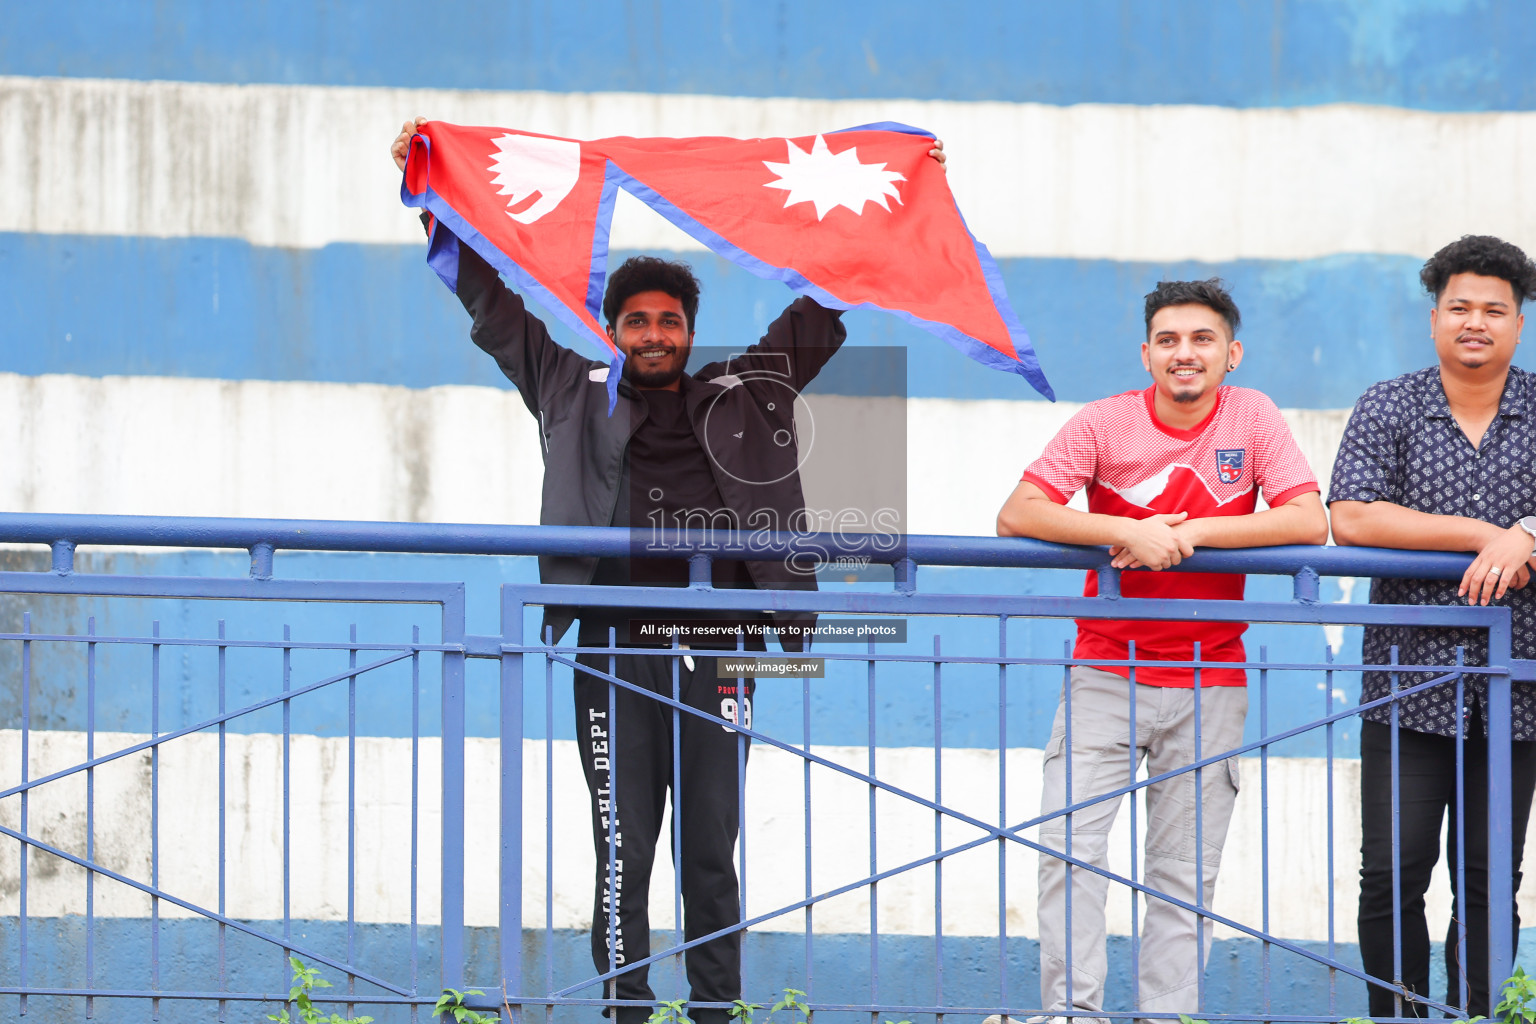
(1032, 512)
(1299, 519)
(1504, 557)
(1384, 524)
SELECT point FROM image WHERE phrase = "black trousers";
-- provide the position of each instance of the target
(626, 753)
(1426, 792)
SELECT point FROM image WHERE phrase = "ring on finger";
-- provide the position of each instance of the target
(1495, 571)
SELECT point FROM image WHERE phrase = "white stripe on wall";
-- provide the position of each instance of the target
(307, 165)
(304, 450)
(1298, 790)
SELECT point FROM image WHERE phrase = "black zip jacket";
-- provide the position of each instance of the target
(735, 415)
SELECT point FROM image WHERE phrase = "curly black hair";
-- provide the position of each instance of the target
(1485, 256)
(651, 274)
(1211, 293)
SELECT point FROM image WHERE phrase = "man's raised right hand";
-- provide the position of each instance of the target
(402, 144)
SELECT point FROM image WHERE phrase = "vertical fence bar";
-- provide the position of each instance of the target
(90, 818)
(1264, 815)
(154, 819)
(415, 808)
(452, 941)
(1066, 755)
(223, 823)
(1135, 795)
(742, 719)
(351, 817)
(1501, 939)
(1002, 813)
(874, 869)
(549, 819)
(25, 852)
(674, 663)
(938, 826)
(1460, 834)
(810, 907)
(287, 798)
(1200, 922)
(510, 915)
(1397, 862)
(1333, 979)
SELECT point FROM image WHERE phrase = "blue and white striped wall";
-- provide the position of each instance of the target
(214, 304)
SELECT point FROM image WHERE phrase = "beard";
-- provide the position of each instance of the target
(657, 376)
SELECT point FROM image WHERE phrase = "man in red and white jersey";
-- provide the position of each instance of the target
(1172, 468)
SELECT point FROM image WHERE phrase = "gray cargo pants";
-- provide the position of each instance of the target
(1171, 955)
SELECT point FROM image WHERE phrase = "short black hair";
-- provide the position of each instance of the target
(1211, 293)
(1485, 256)
(651, 274)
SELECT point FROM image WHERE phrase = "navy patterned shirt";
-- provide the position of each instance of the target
(1403, 445)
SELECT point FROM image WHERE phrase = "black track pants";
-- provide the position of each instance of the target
(625, 739)
(1426, 792)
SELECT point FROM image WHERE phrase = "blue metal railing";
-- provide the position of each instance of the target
(526, 661)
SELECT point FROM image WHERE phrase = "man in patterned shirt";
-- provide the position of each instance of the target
(1172, 468)
(1440, 459)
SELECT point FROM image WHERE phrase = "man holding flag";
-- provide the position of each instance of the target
(648, 445)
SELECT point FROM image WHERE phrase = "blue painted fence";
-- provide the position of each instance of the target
(238, 970)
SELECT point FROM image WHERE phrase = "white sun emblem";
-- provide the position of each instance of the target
(831, 179)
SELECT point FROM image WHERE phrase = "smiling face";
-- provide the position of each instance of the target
(651, 330)
(1188, 351)
(1476, 324)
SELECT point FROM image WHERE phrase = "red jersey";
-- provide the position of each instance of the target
(1136, 466)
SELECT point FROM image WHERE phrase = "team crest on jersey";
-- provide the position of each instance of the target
(1229, 465)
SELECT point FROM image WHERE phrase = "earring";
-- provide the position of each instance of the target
(1231, 367)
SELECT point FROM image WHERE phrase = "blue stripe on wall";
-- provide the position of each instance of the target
(840, 705)
(1242, 53)
(1317, 331)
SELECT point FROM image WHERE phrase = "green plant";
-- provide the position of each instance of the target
(791, 1001)
(452, 1001)
(1185, 1018)
(305, 981)
(1518, 1005)
(742, 1011)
